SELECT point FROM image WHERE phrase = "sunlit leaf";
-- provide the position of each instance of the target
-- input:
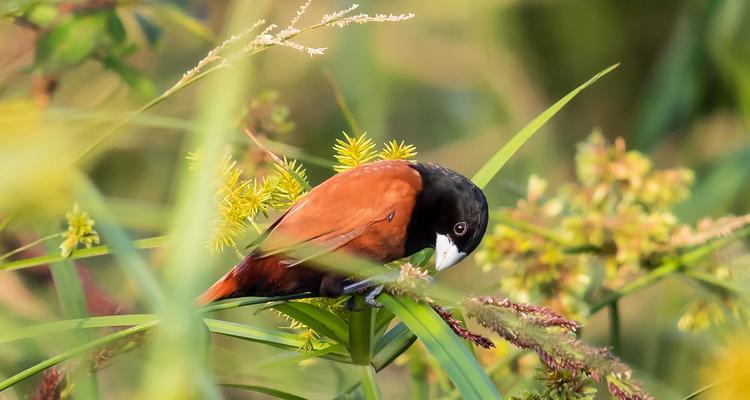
(279, 394)
(134, 78)
(318, 319)
(70, 42)
(493, 166)
(450, 351)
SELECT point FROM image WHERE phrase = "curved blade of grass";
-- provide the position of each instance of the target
(250, 301)
(141, 244)
(283, 340)
(462, 368)
(705, 389)
(391, 345)
(110, 321)
(245, 332)
(129, 260)
(72, 353)
(73, 303)
(316, 318)
(49, 328)
(297, 357)
(369, 382)
(493, 166)
(279, 394)
(382, 320)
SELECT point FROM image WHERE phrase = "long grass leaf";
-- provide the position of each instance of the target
(318, 319)
(459, 364)
(41, 366)
(394, 343)
(283, 340)
(141, 244)
(51, 328)
(367, 377)
(128, 258)
(73, 303)
(245, 332)
(493, 166)
(706, 388)
(279, 394)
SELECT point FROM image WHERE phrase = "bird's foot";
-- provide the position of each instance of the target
(372, 294)
(369, 299)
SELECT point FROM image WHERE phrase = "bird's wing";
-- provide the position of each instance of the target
(373, 200)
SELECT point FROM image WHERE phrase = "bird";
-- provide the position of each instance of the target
(382, 211)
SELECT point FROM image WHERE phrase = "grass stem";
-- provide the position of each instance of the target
(361, 329)
(614, 327)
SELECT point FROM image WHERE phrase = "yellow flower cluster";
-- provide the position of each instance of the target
(618, 215)
(80, 231)
(350, 151)
(241, 200)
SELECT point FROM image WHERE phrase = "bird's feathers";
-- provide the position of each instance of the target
(363, 211)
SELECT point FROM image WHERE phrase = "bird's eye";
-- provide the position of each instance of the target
(460, 228)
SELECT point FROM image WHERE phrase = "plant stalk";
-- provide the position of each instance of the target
(370, 388)
(614, 327)
(361, 330)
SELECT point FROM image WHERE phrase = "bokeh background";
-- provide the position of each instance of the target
(457, 81)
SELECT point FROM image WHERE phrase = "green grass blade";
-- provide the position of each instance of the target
(71, 324)
(334, 352)
(318, 319)
(361, 329)
(493, 166)
(69, 290)
(459, 364)
(141, 244)
(705, 389)
(279, 394)
(394, 343)
(128, 258)
(283, 340)
(245, 332)
(382, 320)
(368, 378)
(41, 366)
(73, 303)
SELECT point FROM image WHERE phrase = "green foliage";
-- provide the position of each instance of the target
(71, 42)
(460, 365)
(576, 248)
(498, 160)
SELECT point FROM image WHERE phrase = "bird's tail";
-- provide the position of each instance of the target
(223, 288)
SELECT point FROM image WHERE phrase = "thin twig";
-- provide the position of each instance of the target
(669, 268)
(706, 388)
(30, 245)
(343, 106)
(263, 147)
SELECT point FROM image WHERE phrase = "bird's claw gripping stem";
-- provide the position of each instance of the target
(372, 294)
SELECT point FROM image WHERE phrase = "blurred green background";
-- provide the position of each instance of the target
(457, 81)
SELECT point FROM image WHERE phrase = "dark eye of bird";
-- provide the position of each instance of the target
(460, 228)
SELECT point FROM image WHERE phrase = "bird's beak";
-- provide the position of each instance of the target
(446, 253)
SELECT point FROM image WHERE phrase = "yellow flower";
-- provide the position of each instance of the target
(730, 370)
(289, 183)
(80, 231)
(351, 152)
(393, 150)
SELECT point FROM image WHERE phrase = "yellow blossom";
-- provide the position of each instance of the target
(80, 231)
